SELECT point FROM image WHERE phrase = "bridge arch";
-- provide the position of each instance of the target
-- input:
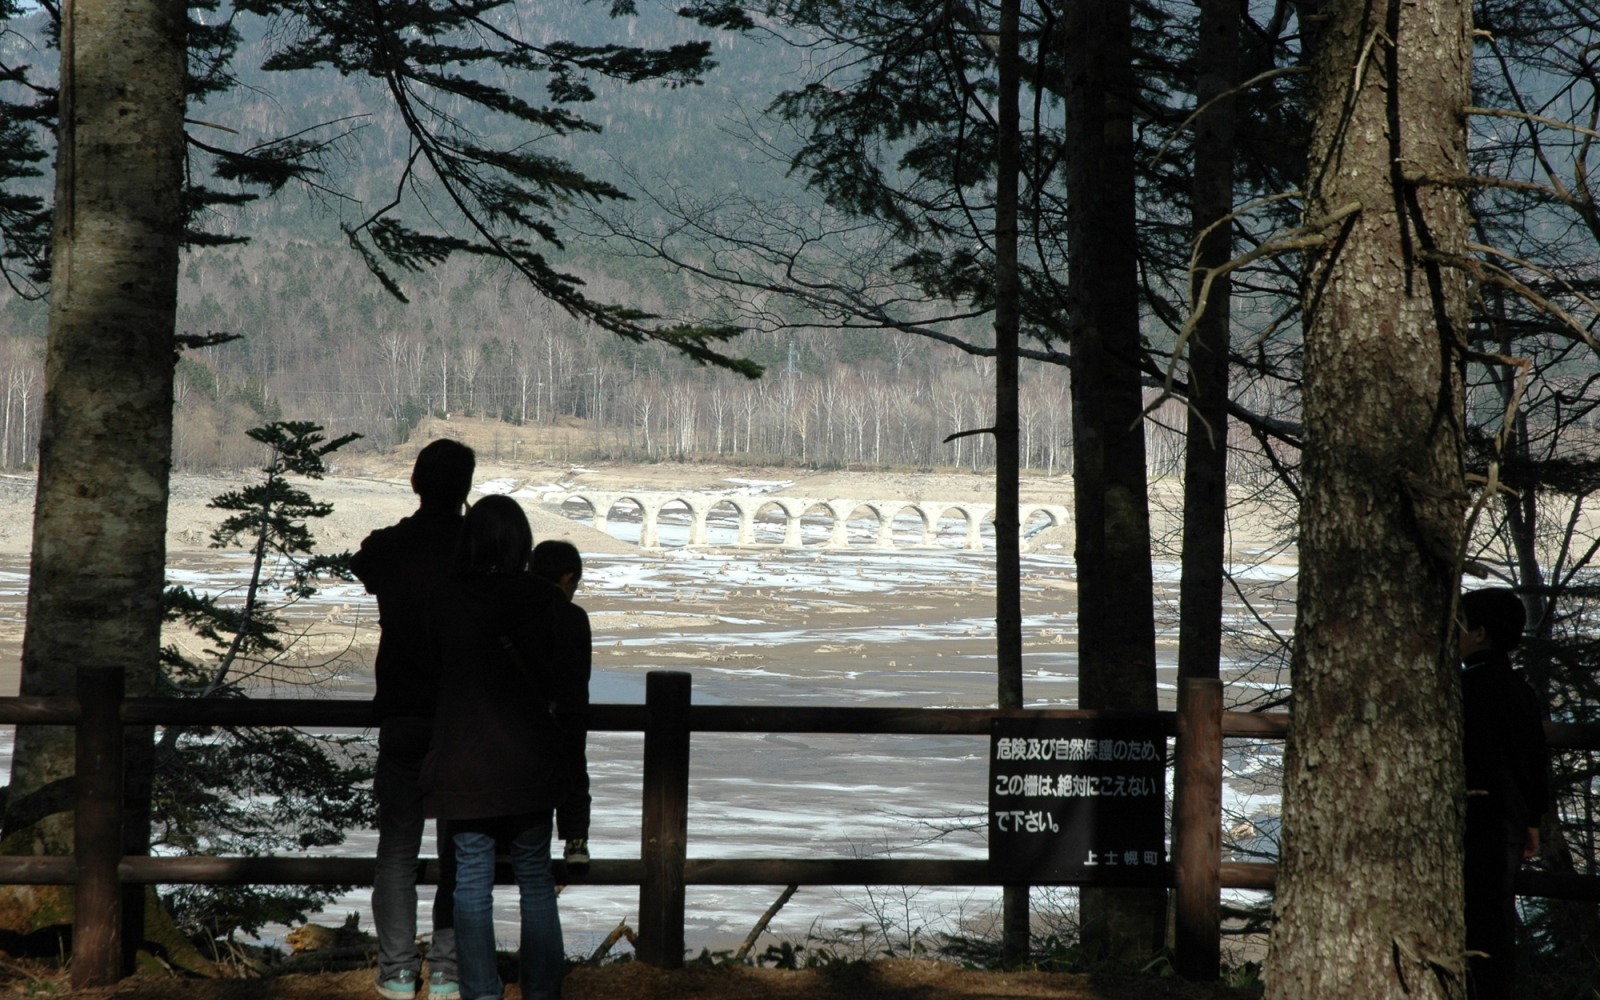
(694, 514)
(892, 511)
(879, 517)
(577, 507)
(969, 516)
(818, 509)
(647, 516)
(742, 516)
(1036, 518)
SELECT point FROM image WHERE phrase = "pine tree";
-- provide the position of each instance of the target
(246, 790)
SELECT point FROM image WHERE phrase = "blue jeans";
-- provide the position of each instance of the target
(402, 743)
(541, 955)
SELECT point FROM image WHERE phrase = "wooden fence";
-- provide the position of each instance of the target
(100, 871)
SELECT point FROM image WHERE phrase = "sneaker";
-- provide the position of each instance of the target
(403, 986)
(440, 987)
(576, 855)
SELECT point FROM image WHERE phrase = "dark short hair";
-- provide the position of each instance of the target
(443, 473)
(554, 558)
(495, 538)
(1499, 612)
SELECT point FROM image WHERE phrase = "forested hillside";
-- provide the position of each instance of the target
(321, 339)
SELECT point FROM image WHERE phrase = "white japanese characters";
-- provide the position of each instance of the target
(1021, 748)
(1067, 786)
(1021, 821)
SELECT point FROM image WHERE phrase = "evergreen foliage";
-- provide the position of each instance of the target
(897, 127)
(472, 183)
(25, 109)
(249, 790)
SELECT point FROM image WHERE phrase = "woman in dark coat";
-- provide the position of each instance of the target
(508, 740)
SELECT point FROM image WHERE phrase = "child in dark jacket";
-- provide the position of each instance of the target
(560, 563)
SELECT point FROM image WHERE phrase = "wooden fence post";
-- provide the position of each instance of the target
(1197, 830)
(665, 832)
(97, 831)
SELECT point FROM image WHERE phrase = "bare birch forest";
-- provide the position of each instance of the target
(336, 352)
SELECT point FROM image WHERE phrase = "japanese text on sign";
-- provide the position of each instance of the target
(1078, 800)
(1018, 748)
(1066, 786)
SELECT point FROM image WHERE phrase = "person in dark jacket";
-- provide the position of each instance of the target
(560, 563)
(403, 565)
(1503, 752)
(509, 733)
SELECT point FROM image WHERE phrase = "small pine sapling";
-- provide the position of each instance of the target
(246, 790)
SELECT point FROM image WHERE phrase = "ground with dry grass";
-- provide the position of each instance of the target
(889, 979)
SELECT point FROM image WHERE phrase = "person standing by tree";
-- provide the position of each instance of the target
(403, 565)
(513, 715)
(1503, 752)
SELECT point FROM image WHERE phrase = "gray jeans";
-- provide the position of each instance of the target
(402, 743)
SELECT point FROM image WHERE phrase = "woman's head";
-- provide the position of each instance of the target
(494, 539)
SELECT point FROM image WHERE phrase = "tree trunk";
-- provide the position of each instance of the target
(1007, 473)
(1116, 625)
(1205, 489)
(100, 519)
(1369, 885)
(1205, 495)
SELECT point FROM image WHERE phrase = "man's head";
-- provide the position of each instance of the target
(1491, 618)
(442, 476)
(558, 562)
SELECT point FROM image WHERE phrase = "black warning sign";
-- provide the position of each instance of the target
(1078, 802)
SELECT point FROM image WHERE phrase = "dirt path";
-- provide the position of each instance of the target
(891, 979)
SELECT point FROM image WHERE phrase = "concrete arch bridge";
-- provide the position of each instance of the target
(878, 516)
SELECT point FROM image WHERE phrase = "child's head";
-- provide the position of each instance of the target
(558, 562)
(1499, 612)
(442, 476)
(495, 538)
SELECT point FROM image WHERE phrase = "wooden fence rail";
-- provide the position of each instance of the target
(99, 870)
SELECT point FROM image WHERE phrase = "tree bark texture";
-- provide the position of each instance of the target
(1369, 885)
(1111, 503)
(100, 522)
(1196, 943)
(1111, 511)
(1007, 320)
(1205, 463)
(1007, 461)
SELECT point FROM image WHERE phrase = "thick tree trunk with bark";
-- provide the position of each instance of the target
(1111, 510)
(1369, 886)
(100, 522)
